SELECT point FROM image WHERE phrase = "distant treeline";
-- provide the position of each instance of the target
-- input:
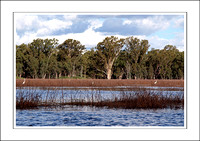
(112, 58)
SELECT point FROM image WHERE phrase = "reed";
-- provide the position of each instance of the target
(28, 99)
(141, 99)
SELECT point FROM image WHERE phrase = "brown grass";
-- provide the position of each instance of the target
(27, 100)
(96, 83)
(141, 100)
(127, 100)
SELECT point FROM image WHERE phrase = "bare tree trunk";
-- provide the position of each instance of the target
(121, 75)
(81, 71)
(109, 73)
(128, 68)
(109, 68)
(73, 72)
(44, 76)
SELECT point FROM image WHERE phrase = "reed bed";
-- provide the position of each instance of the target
(31, 97)
(138, 101)
(97, 83)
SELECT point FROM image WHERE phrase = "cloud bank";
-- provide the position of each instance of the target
(91, 29)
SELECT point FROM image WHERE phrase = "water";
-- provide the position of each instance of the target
(85, 116)
(71, 116)
(65, 94)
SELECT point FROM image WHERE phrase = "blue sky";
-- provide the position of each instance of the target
(90, 29)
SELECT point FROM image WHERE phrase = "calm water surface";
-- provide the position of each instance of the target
(73, 116)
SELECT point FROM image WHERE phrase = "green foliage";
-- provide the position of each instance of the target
(69, 57)
(136, 56)
(108, 51)
(117, 58)
(119, 66)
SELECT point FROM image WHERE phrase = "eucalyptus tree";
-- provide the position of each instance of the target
(20, 59)
(69, 56)
(136, 50)
(154, 63)
(92, 65)
(178, 66)
(119, 67)
(108, 50)
(42, 50)
(168, 54)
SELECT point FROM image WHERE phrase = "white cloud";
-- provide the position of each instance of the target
(31, 23)
(70, 17)
(90, 37)
(160, 43)
(24, 21)
(16, 38)
(55, 24)
(26, 38)
(43, 31)
(179, 23)
(50, 26)
(95, 23)
(127, 22)
(153, 23)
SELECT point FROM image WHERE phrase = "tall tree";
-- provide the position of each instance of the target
(108, 50)
(20, 59)
(178, 66)
(154, 63)
(42, 50)
(92, 65)
(69, 54)
(119, 69)
(136, 54)
(168, 55)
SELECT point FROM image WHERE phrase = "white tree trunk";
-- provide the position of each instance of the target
(109, 73)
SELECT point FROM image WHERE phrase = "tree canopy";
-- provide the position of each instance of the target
(113, 58)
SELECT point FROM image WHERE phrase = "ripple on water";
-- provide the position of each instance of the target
(88, 116)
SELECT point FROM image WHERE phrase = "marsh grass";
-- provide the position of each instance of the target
(139, 100)
(142, 99)
(97, 83)
(28, 99)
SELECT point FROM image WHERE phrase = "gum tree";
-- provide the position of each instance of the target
(108, 51)
(69, 56)
(136, 50)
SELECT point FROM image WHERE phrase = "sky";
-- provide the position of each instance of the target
(90, 29)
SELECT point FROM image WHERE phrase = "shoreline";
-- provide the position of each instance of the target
(98, 82)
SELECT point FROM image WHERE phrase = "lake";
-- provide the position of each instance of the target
(87, 116)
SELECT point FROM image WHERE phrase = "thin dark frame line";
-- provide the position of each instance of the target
(129, 127)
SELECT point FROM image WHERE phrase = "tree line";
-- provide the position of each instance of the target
(113, 58)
